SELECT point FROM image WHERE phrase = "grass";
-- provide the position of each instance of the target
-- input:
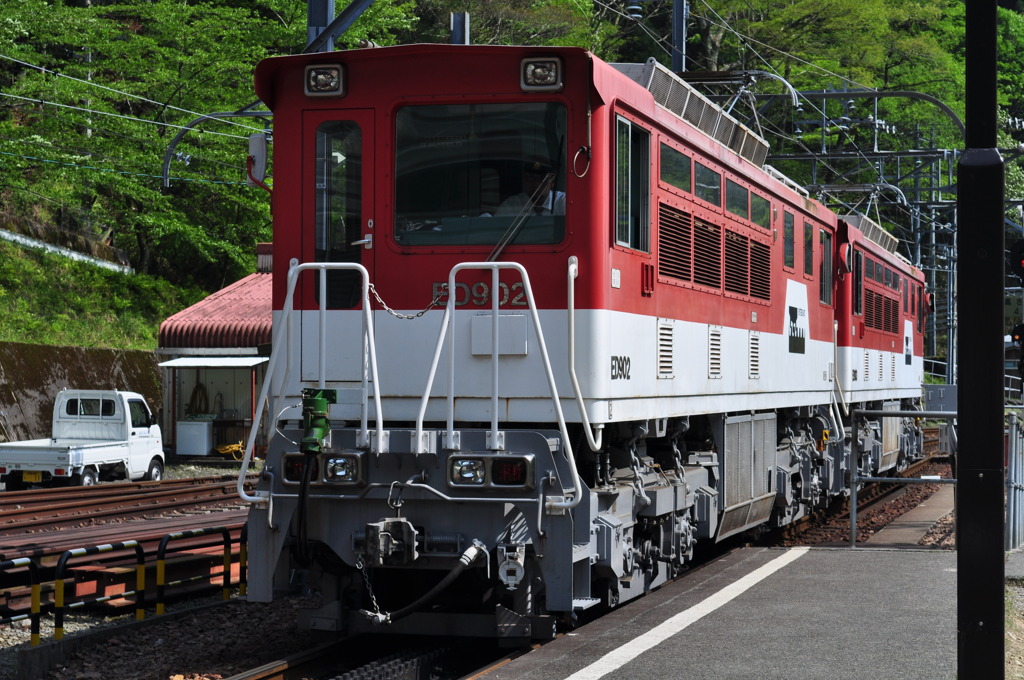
(47, 299)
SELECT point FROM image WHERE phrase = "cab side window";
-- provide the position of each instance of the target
(139, 413)
(632, 186)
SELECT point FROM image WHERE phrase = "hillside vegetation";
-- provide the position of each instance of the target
(103, 132)
(52, 300)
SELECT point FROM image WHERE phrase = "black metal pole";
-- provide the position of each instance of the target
(980, 468)
(680, 16)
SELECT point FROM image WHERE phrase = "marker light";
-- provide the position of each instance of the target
(325, 80)
(508, 472)
(541, 74)
(295, 465)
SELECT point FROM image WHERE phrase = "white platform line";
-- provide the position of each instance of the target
(618, 658)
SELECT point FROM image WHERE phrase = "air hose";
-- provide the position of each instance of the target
(467, 558)
(315, 428)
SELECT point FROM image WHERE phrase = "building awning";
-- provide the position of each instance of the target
(213, 362)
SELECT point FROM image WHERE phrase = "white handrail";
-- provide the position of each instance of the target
(449, 321)
(368, 349)
(593, 442)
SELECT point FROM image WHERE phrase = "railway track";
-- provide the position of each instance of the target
(61, 508)
(377, 659)
(194, 521)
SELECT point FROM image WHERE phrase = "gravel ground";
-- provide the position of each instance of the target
(1015, 630)
(235, 635)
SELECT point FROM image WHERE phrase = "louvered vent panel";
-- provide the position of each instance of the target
(754, 149)
(725, 130)
(707, 254)
(679, 97)
(665, 347)
(709, 116)
(737, 266)
(892, 367)
(739, 454)
(754, 354)
(881, 367)
(714, 352)
(694, 111)
(675, 99)
(760, 271)
(661, 85)
(675, 233)
(892, 315)
(763, 440)
(867, 366)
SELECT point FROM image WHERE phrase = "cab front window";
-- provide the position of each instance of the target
(477, 174)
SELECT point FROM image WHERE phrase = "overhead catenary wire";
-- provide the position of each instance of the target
(91, 83)
(96, 112)
(118, 172)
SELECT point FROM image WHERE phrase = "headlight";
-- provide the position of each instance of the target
(469, 471)
(541, 74)
(325, 80)
(341, 469)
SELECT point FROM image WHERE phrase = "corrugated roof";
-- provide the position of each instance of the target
(236, 316)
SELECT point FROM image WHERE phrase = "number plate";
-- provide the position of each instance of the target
(29, 476)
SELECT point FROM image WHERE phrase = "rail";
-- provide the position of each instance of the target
(594, 442)
(59, 582)
(161, 563)
(61, 603)
(495, 438)
(377, 442)
(34, 583)
(854, 463)
(369, 350)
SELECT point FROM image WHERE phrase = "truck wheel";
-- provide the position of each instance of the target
(155, 472)
(88, 477)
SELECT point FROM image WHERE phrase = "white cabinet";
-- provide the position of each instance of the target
(194, 438)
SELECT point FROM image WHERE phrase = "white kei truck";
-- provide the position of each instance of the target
(96, 435)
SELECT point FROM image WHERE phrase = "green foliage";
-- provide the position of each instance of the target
(93, 94)
(92, 97)
(52, 300)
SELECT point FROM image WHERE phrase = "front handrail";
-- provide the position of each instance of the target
(593, 442)
(369, 350)
(447, 323)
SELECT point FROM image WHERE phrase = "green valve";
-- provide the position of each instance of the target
(316, 426)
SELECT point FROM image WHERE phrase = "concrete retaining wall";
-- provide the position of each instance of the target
(30, 376)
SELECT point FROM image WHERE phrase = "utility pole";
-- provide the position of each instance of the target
(980, 468)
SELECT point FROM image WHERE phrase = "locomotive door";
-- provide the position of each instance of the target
(337, 226)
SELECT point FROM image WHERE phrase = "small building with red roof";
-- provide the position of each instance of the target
(216, 354)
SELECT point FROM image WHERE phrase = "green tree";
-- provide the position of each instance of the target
(94, 92)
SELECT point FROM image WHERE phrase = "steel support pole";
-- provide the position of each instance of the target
(980, 468)
(1011, 478)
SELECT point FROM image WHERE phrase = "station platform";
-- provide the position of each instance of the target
(886, 609)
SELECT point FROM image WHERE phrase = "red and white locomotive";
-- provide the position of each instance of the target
(541, 324)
